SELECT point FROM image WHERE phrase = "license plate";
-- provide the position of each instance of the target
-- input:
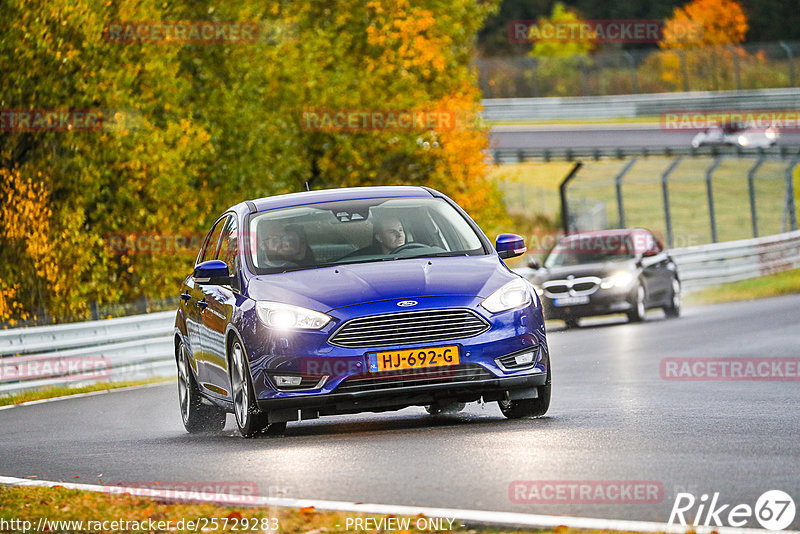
(571, 301)
(392, 360)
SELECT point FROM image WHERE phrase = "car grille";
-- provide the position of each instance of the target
(423, 326)
(414, 377)
(579, 286)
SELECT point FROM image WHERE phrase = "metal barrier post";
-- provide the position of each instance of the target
(790, 207)
(665, 195)
(751, 187)
(790, 57)
(618, 185)
(562, 190)
(634, 78)
(710, 194)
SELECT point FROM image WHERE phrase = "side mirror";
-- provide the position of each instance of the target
(510, 245)
(533, 264)
(212, 272)
(650, 252)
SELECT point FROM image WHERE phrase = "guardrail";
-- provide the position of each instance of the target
(130, 348)
(641, 105)
(701, 266)
(519, 155)
(126, 348)
(717, 263)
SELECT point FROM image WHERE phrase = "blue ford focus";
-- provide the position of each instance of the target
(355, 300)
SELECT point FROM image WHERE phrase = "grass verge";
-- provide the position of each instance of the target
(49, 393)
(773, 285)
(61, 504)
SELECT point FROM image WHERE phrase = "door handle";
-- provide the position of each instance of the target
(185, 297)
(202, 304)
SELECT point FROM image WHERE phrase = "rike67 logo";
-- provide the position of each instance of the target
(774, 510)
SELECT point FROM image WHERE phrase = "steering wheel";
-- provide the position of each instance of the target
(408, 246)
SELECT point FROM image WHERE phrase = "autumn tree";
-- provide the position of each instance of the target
(190, 129)
(699, 42)
(559, 63)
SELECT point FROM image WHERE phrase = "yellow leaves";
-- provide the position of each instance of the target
(705, 22)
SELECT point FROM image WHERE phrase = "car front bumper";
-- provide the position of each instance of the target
(601, 302)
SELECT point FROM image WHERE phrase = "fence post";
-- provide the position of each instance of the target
(684, 70)
(790, 57)
(562, 191)
(94, 309)
(736, 71)
(618, 185)
(710, 194)
(585, 76)
(634, 77)
(751, 188)
(790, 207)
(665, 196)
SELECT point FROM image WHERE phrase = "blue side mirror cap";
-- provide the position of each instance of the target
(212, 272)
(510, 245)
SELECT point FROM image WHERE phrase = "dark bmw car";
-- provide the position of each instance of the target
(604, 272)
(354, 300)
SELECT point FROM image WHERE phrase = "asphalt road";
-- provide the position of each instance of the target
(612, 418)
(599, 136)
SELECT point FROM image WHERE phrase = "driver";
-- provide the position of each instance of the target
(287, 244)
(389, 234)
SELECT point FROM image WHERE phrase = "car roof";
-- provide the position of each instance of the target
(603, 233)
(334, 195)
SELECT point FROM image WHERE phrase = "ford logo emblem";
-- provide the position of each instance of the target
(407, 303)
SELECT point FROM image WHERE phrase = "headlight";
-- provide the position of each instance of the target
(286, 316)
(620, 279)
(771, 134)
(743, 140)
(514, 294)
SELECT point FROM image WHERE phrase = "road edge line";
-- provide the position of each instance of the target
(87, 394)
(515, 519)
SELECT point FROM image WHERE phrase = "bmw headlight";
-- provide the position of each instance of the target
(286, 316)
(743, 140)
(515, 294)
(620, 279)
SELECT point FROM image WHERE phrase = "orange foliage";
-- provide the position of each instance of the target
(705, 23)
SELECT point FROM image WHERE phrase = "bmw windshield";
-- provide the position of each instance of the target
(357, 231)
(590, 249)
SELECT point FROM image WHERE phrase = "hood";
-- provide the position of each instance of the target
(329, 288)
(601, 270)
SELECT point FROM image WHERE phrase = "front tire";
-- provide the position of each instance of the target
(571, 322)
(517, 409)
(639, 311)
(249, 419)
(673, 309)
(196, 415)
(445, 408)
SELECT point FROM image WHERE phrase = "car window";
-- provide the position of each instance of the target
(584, 249)
(209, 251)
(228, 245)
(357, 231)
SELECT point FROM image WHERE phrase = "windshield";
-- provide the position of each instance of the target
(581, 250)
(358, 231)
